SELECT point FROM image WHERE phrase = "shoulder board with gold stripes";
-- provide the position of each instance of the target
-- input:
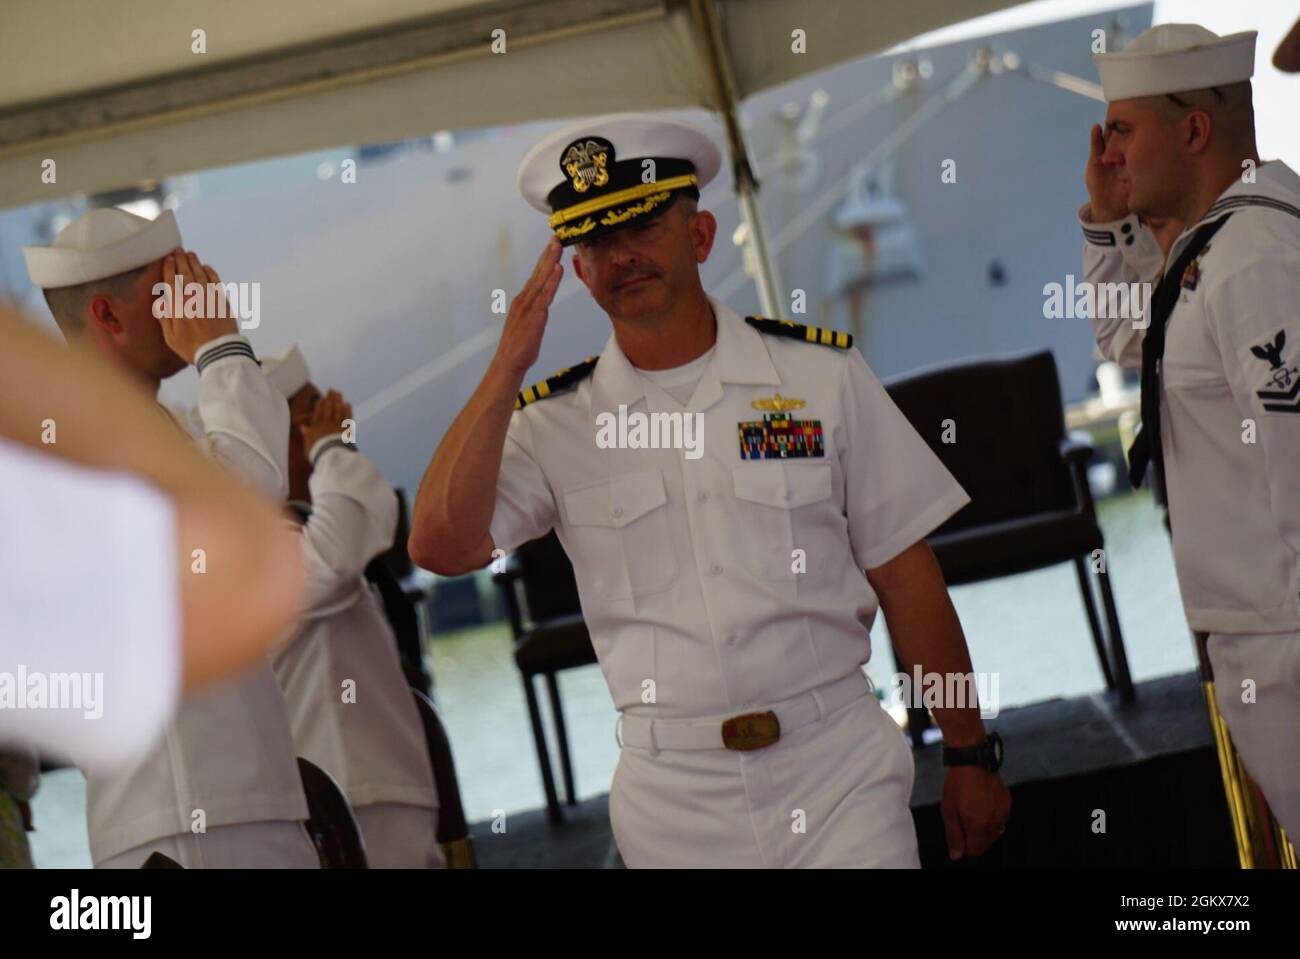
(556, 382)
(798, 331)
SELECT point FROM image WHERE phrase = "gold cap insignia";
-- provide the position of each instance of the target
(587, 163)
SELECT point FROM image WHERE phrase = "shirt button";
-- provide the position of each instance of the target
(716, 569)
(731, 639)
(618, 511)
(702, 498)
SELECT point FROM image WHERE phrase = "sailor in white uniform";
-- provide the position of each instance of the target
(221, 788)
(350, 707)
(720, 568)
(1220, 353)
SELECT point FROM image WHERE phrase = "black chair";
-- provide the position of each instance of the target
(550, 636)
(1030, 506)
(330, 822)
(453, 830)
(404, 618)
(402, 605)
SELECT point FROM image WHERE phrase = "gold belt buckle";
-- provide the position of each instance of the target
(751, 731)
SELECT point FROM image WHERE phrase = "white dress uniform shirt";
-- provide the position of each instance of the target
(229, 751)
(1229, 403)
(64, 525)
(374, 746)
(686, 567)
(717, 585)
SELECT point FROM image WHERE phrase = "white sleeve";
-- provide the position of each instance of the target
(1121, 251)
(896, 491)
(525, 504)
(1253, 315)
(353, 519)
(245, 419)
(90, 619)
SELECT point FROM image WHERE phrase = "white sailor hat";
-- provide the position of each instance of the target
(1175, 57)
(288, 373)
(591, 176)
(103, 242)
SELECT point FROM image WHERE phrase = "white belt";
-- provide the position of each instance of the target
(691, 734)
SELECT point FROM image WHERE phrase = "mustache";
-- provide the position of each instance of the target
(631, 274)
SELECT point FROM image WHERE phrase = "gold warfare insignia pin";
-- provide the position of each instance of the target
(779, 403)
(587, 163)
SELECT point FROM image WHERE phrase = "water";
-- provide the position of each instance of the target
(1029, 629)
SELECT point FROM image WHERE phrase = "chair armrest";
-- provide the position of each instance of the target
(507, 581)
(511, 570)
(1076, 450)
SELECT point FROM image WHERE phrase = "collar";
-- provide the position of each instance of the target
(1276, 185)
(739, 356)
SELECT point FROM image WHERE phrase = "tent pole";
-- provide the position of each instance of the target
(705, 12)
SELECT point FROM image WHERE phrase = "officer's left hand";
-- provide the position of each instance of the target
(976, 804)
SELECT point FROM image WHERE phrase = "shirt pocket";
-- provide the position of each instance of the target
(619, 529)
(781, 508)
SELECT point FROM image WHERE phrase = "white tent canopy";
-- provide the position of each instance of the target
(115, 93)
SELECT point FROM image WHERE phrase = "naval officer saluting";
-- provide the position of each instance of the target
(349, 705)
(723, 587)
(229, 753)
(1220, 359)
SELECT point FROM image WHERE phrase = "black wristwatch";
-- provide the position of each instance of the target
(987, 754)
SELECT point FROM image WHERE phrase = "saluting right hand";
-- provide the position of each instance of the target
(521, 339)
(328, 417)
(186, 334)
(1106, 194)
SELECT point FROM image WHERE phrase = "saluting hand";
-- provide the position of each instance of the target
(521, 339)
(1107, 194)
(185, 334)
(326, 419)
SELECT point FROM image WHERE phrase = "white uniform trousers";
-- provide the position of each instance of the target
(253, 845)
(398, 836)
(1267, 730)
(831, 794)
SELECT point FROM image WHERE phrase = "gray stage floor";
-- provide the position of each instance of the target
(1044, 741)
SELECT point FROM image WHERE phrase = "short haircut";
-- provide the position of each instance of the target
(1230, 106)
(68, 303)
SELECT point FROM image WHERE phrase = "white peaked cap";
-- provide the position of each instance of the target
(288, 373)
(1175, 57)
(633, 134)
(103, 242)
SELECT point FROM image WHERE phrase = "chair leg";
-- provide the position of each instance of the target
(1118, 656)
(1094, 623)
(562, 736)
(918, 721)
(553, 811)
